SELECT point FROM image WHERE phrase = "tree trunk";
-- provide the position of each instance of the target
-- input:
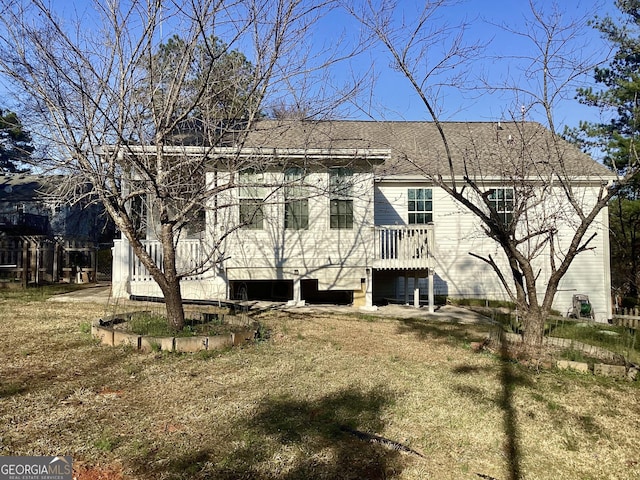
(533, 325)
(171, 285)
(173, 304)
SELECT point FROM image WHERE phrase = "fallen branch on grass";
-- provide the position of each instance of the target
(368, 437)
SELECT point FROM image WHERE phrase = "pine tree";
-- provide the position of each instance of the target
(618, 138)
(15, 143)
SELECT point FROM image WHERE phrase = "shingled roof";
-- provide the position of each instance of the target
(479, 149)
(21, 187)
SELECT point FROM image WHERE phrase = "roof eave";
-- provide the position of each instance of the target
(372, 155)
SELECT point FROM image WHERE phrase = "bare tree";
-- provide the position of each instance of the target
(140, 96)
(536, 164)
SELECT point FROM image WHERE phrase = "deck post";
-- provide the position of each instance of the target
(25, 264)
(368, 296)
(121, 269)
(406, 288)
(416, 290)
(431, 306)
(296, 287)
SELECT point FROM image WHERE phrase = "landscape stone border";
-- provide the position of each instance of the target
(602, 369)
(628, 371)
(562, 343)
(104, 331)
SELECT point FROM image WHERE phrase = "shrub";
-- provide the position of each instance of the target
(629, 302)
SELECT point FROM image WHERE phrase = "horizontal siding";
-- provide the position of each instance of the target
(213, 288)
(390, 205)
(310, 251)
(457, 233)
(339, 257)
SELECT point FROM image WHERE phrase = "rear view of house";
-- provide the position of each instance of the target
(356, 212)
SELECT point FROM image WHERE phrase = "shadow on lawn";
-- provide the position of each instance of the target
(510, 378)
(54, 367)
(292, 438)
(455, 333)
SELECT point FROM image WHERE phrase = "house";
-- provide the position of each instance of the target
(42, 236)
(348, 212)
(31, 205)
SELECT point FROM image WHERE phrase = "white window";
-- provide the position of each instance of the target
(501, 200)
(340, 181)
(341, 214)
(138, 209)
(296, 207)
(251, 201)
(420, 206)
(341, 207)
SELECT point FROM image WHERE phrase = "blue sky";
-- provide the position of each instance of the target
(393, 97)
(400, 102)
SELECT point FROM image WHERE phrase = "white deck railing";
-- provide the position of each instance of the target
(403, 247)
(396, 247)
(189, 257)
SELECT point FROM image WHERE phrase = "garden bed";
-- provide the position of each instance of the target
(147, 331)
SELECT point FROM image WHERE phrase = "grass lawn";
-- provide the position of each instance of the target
(317, 400)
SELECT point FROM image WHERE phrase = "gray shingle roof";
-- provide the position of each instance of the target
(480, 149)
(20, 187)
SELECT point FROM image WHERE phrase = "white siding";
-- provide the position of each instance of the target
(458, 232)
(336, 257)
(339, 259)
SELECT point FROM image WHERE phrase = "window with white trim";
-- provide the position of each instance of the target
(340, 181)
(501, 200)
(296, 207)
(340, 205)
(138, 209)
(419, 206)
(341, 214)
(251, 201)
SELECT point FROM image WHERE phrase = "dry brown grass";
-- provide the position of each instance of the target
(283, 409)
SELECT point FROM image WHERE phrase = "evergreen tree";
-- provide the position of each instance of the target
(619, 96)
(624, 222)
(15, 143)
(218, 88)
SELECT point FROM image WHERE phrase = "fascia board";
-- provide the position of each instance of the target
(578, 180)
(376, 155)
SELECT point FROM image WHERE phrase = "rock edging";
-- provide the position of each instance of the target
(104, 331)
(630, 372)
